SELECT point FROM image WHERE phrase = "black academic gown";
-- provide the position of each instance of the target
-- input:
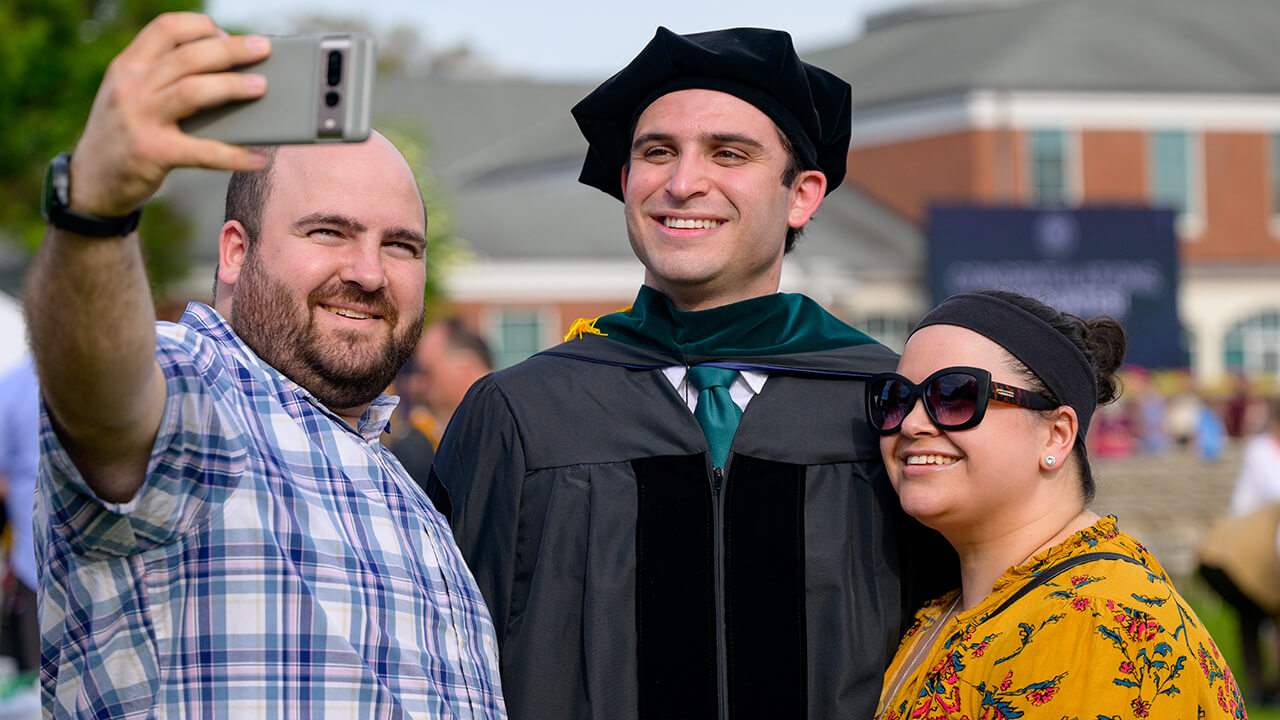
(628, 579)
(415, 453)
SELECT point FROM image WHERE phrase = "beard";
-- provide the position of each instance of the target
(343, 370)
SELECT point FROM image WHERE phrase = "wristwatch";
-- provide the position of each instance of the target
(55, 204)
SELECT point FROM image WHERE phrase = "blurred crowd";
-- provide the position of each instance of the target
(1169, 410)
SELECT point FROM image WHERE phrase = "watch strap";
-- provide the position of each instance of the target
(57, 197)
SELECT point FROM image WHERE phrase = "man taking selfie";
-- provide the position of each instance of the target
(221, 532)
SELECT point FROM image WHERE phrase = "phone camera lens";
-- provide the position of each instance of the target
(335, 67)
(331, 99)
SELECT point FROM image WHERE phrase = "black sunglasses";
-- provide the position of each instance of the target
(955, 398)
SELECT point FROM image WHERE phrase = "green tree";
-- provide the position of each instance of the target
(53, 54)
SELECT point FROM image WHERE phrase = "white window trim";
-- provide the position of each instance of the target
(906, 321)
(1190, 224)
(1254, 339)
(1072, 157)
(548, 318)
(1256, 345)
(1075, 166)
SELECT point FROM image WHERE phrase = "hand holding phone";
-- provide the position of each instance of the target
(319, 89)
(131, 140)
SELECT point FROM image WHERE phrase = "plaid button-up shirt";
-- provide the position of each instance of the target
(275, 563)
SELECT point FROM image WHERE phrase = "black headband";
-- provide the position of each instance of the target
(1046, 352)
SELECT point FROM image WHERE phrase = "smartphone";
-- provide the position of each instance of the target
(319, 89)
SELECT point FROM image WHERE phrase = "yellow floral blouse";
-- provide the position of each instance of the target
(1105, 640)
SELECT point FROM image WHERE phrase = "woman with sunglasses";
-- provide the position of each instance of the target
(1059, 614)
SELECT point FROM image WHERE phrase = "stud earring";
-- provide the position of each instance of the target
(1050, 461)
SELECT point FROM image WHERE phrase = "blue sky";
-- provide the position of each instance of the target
(564, 39)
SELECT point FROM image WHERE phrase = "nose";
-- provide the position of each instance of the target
(917, 422)
(688, 178)
(364, 266)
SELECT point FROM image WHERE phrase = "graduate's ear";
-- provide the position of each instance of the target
(807, 192)
(624, 183)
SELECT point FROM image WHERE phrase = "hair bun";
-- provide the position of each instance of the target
(1105, 340)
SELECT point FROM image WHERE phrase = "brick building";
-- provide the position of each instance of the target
(1171, 103)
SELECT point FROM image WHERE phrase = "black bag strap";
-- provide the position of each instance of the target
(1054, 571)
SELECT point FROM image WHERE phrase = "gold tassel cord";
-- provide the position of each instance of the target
(583, 326)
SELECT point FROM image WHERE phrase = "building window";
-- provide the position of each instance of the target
(1172, 172)
(1049, 179)
(1253, 344)
(890, 330)
(516, 334)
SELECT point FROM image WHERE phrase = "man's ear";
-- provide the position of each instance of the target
(624, 183)
(807, 193)
(233, 245)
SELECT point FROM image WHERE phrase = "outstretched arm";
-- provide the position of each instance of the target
(88, 303)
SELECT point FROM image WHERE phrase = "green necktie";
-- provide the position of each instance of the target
(716, 412)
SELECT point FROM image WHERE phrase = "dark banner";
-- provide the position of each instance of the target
(1121, 262)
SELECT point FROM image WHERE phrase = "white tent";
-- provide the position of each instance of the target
(13, 333)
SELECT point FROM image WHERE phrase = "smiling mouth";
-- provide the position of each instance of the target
(690, 223)
(348, 313)
(930, 460)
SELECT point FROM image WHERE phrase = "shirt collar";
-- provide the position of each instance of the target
(753, 378)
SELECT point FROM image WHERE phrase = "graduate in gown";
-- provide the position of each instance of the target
(680, 512)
